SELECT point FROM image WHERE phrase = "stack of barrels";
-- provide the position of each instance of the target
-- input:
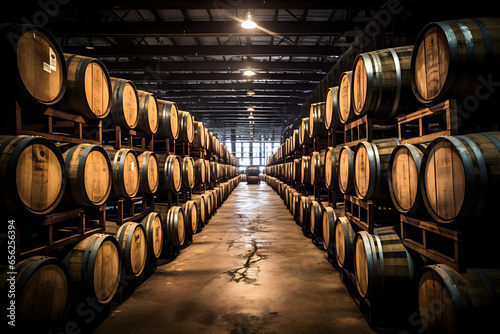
(252, 175)
(445, 185)
(49, 185)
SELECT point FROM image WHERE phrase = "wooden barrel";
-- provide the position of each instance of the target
(294, 208)
(125, 172)
(172, 218)
(253, 180)
(191, 216)
(461, 176)
(149, 178)
(125, 103)
(199, 139)
(214, 171)
(346, 170)
(35, 66)
(382, 265)
(207, 170)
(88, 169)
(451, 58)
(170, 167)
(317, 169)
(304, 138)
(331, 167)
(32, 174)
(95, 266)
(199, 171)
(131, 237)
(304, 211)
(168, 120)
(42, 293)
(154, 234)
(186, 127)
(315, 218)
(452, 302)
(305, 169)
(201, 208)
(344, 243)
(328, 218)
(148, 113)
(346, 110)
(332, 117)
(88, 90)
(253, 171)
(295, 143)
(404, 172)
(296, 171)
(371, 166)
(317, 115)
(208, 206)
(381, 83)
(188, 172)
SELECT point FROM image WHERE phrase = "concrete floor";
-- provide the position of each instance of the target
(251, 270)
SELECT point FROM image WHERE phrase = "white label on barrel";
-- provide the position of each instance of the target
(132, 165)
(46, 67)
(53, 59)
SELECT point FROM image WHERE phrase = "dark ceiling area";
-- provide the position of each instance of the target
(195, 52)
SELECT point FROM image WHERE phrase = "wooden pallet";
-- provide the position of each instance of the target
(367, 215)
(435, 242)
(57, 230)
(126, 210)
(127, 138)
(57, 126)
(364, 129)
(426, 124)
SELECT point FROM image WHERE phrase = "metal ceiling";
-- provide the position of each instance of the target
(194, 52)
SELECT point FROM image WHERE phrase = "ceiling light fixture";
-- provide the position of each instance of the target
(251, 115)
(248, 24)
(250, 92)
(249, 73)
(250, 108)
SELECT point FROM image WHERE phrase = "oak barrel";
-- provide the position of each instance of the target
(304, 138)
(95, 266)
(42, 293)
(328, 218)
(315, 218)
(148, 113)
(371, 165)
(382, 265)
(125, 172)
(168, 120)
(304, 211)
(452, 302)
(188, 172)
(317, 115)
(344, 243)
(199, 171)
(125, 103)
(332, 117)
(186, 127)
(199, 139)
(461, 177)
(381, 83)
(170, 172)
(88, 90)
(201, 208)
(346, 170)
(317, 170)
(346, 109)
(305, 169)
(153, 229)
(131, 237)
(191, 216)
(452, 59)
(331, 167)
(149, 178)
(35, 65)
(173, 224)
(88, 169)
(404, 173)
(32, 174)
